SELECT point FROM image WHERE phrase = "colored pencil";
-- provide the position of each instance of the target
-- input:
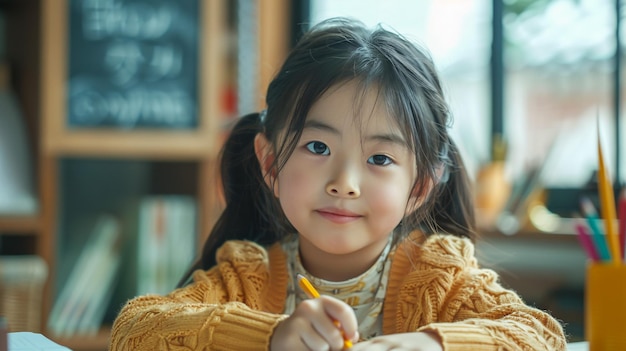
(587, 244)
(607, 206)
(310, 291)
(591, 215)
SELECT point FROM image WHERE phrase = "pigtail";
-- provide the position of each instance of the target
(453, 208)
(248, 199)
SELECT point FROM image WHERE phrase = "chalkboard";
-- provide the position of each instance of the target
(133, 64)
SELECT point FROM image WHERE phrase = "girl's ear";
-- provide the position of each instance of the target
(417, 198)
(266, 157)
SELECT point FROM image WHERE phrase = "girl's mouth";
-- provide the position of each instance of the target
(338, 216)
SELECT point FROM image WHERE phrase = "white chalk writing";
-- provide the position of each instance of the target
(128, 108)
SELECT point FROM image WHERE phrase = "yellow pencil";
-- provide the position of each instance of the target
(607, 207)
(310, 291)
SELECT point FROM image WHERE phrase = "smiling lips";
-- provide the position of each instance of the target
(338, 216)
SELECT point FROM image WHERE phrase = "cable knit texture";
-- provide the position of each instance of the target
(435, 285)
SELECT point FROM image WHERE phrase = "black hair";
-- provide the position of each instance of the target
(336, 51)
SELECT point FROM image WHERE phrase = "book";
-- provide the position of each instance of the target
(82, 301)
(4, 329)
(17, 187)
(28, 341)
(166, 242)
(22, 279)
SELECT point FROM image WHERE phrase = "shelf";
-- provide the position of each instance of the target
(190, 145)
(177, 161)
(19, 224)
(540, 224)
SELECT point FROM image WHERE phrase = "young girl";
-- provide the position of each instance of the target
(350, 179)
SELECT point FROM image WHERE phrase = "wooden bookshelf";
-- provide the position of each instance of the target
(37, 45)
(59, 141)
(18, 224)
(140, 144)
(38, 49)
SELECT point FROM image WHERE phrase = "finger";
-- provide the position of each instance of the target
(368, 346)
(356, 337)
(319, 332)
(343, 314)
(328, 330)
(324, 325)
(314, 341)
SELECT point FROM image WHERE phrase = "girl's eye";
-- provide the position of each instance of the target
(379, 160)
(318, 148)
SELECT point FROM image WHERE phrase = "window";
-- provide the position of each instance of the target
(558, 76)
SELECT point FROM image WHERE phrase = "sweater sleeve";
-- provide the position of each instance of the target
(220, 310)
(470, 310)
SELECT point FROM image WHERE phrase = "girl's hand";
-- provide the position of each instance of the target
(312, 327)
(415, 341)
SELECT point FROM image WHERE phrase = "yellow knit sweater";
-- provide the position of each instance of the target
(434, 284)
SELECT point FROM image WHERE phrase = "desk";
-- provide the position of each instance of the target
(578, 346)
(26, 341)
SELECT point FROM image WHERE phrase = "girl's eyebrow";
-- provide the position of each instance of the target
(386, 138)
(313, 124)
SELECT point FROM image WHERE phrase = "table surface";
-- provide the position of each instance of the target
(24, 340)
(578, 346)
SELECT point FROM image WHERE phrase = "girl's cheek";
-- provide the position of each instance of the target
(296, 181)
(388, 207)
(387, 197)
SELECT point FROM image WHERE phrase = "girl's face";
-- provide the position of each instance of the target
(347, 184)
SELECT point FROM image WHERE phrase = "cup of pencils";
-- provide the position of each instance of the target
(605, 308)
(605, 281)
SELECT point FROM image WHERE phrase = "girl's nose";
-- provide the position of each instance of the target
(344, 185)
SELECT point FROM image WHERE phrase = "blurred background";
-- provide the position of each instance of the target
(112, 113)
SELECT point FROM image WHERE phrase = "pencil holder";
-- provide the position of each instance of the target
(605, 306)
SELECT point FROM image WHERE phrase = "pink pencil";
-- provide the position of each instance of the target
(585, 241)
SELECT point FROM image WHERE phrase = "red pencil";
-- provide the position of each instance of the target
(622, 221)
(585, 241)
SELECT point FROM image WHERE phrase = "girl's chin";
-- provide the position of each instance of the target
(333, 249)
(338, 248)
